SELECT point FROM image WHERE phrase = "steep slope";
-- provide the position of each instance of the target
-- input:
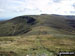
(16, 26)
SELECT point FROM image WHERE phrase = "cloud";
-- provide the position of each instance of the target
(2, 10)
(56, 1)
(21, 7)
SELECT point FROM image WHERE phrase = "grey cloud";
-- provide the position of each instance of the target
(56, 1)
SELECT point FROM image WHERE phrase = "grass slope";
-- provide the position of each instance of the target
(16, 26)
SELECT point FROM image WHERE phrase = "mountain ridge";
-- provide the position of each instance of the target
(24, 24)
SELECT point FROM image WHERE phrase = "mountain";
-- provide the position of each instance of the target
(37, 35)
(16, 26)
(25, 24)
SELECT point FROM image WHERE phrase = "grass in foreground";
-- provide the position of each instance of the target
(37, 44)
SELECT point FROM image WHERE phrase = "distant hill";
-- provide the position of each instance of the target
(1, 19)
(4, 19)
(33, 24)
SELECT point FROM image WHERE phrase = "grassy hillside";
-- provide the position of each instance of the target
(16, 26)
(24, 24)
(37, 35)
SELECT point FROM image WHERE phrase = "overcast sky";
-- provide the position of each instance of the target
(12, 8)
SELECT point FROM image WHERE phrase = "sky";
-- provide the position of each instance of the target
(12, 8)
